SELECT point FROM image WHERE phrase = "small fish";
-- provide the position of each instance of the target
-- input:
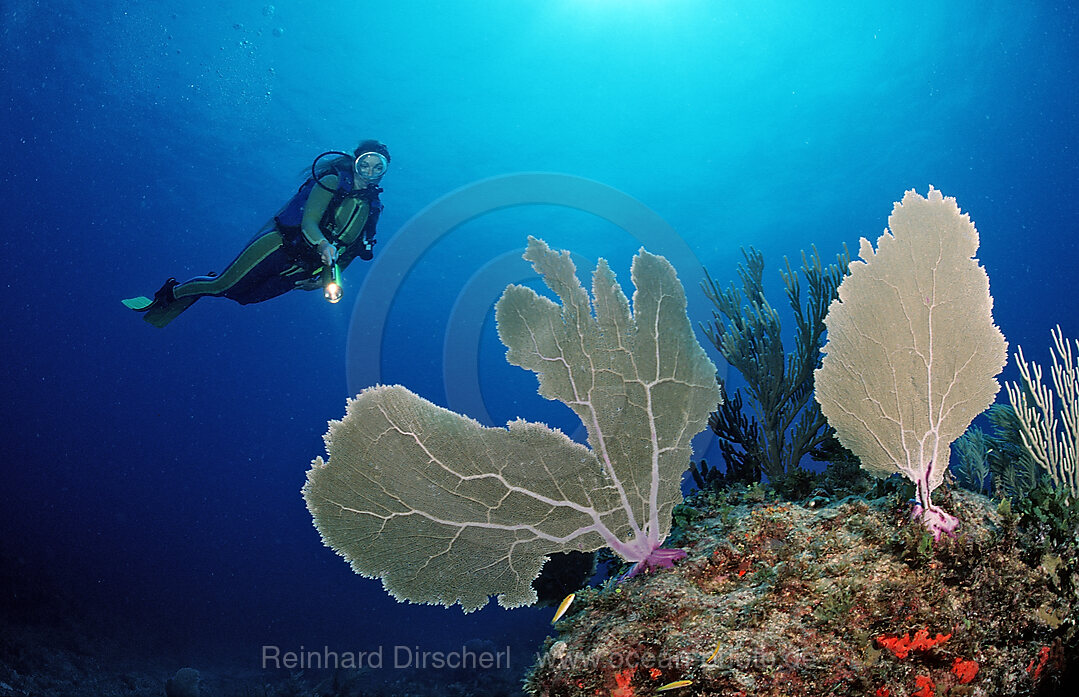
(563, 606)
(674, 685)
(714, 653)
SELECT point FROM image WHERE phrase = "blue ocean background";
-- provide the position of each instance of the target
(151, 478)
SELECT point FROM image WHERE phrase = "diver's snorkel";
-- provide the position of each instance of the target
(331, 282)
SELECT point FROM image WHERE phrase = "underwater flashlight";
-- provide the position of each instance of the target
(331, 282)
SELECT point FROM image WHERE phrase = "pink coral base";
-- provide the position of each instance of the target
(935, 519)
(659, 558)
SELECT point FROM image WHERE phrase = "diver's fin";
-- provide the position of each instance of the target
(164, 307)
(162, 313)
(139, 304)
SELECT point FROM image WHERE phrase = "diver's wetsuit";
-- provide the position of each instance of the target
(280, 258)
(274, 262)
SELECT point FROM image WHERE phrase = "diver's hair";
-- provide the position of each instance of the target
(329, 165)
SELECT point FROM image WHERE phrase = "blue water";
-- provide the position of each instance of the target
(154, 475)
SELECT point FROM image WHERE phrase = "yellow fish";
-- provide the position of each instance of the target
(674, 685)
(714, 653)
(563, 607)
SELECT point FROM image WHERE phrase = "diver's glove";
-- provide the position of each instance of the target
(327, 252)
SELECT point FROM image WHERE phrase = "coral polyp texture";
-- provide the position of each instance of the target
(445, 510)
(778, 599)
(912, 353)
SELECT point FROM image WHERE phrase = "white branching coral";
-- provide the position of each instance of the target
(1053, 442)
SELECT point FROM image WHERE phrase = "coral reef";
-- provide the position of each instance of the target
(852, 598)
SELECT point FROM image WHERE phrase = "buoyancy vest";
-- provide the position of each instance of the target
(289, 219)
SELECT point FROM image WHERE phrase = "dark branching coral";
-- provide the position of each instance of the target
(734, 428)
(785, 423)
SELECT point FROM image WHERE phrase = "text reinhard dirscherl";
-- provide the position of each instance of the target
(399, 657)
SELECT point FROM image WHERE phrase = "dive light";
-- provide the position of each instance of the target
(331, 282)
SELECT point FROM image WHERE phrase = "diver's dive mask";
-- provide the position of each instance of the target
(370, 166)
(367, 168)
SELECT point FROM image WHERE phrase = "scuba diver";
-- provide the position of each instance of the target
(329, 222)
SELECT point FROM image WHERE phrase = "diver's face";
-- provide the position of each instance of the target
(370, 166)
